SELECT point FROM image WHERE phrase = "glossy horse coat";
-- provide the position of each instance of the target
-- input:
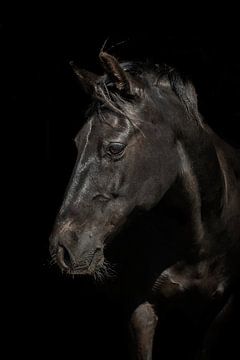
(147, 159)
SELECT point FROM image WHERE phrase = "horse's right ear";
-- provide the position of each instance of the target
(88, 80)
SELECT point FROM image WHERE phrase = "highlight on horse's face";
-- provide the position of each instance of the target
(126, 160)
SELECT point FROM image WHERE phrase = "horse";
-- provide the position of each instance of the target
(148, 161)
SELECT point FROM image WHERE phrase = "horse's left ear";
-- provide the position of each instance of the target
(115, 71)
(88, 80)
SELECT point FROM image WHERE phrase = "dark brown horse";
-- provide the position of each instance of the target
(147, 159)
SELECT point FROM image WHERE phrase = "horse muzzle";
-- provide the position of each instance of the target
(79, 264)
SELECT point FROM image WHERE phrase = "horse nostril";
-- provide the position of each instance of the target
(64, 257)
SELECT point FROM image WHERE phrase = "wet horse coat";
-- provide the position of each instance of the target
(147, 159)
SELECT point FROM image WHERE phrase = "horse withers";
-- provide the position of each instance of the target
(146, 154)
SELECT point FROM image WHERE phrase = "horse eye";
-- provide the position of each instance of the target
(115, 148)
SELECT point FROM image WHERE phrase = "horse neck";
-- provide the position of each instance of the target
(200, 184)
(200, 165)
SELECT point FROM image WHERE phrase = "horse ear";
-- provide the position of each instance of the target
(87, 79)
(115, 71)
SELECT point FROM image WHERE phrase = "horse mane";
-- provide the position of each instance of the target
(151, 76)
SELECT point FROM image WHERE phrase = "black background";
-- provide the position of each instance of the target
(53, 315)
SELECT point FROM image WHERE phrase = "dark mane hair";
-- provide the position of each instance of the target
(150, 76)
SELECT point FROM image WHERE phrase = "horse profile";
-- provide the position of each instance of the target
(147, 160)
